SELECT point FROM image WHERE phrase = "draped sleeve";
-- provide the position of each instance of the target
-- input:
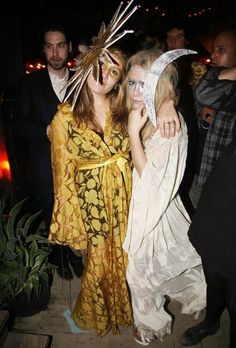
(154, 191)
(66, 224)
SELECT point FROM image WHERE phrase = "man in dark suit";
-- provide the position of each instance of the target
(38, 95)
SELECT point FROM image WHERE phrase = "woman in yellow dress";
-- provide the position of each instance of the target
(92, 184)
(92, 180)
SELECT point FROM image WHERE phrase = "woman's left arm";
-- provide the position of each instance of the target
(168, 119)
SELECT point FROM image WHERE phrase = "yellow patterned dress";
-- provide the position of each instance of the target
(92, 187)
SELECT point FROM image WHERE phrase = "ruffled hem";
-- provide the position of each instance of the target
(149, 334)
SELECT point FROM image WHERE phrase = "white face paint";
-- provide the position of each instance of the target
(136, 81)
(136, 86)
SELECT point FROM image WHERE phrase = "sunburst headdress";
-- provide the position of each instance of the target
(98, 54)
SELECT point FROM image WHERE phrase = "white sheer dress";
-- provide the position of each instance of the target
(162, 261)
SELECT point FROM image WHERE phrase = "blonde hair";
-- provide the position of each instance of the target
(166, 88)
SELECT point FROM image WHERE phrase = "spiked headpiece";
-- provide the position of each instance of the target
(98, 52)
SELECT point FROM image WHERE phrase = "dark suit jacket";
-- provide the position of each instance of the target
(36, 106)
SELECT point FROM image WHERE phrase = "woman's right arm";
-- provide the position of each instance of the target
(136, 121)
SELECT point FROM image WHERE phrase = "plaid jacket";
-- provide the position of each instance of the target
(219, 95)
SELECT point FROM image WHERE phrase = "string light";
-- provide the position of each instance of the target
(29, 67)
(159, 8)
(165, 12)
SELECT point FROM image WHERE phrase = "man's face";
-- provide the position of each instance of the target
(175, 39)
(224, 50)
(56, 49)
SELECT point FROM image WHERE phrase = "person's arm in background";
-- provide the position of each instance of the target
(228, 74)
(216, 88)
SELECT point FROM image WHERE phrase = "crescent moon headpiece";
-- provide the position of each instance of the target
(98, 53)
(153, 76)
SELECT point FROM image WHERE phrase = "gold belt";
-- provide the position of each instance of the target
(119, 158)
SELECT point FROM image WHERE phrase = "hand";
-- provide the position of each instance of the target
(137, 119)
(168, 119)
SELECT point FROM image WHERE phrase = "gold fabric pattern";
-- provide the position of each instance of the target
(92, 185)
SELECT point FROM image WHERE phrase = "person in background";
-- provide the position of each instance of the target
(212, 231)
(161, 260)
(82, 46)
(38, 95)
(176, 38)
(147, 41)
(215, 123)
(190, 71)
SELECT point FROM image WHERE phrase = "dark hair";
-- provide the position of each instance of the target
(178, 24)
(53, 27)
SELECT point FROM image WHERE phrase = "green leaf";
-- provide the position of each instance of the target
(29, 223)
(11, 244)
(39, 261)
(12, 217)
(26, 256)
(35, 283)
(28, 287)
(20, 224)
(23, 254)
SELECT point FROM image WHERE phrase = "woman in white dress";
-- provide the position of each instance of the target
(161, 260)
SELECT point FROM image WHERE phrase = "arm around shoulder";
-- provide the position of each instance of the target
(168, 119)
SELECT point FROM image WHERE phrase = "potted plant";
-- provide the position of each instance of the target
(24, 266)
